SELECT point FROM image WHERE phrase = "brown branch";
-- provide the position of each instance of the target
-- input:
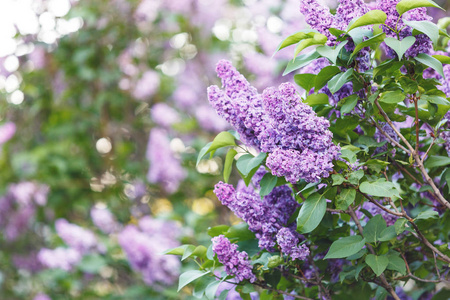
(414, 98)
(428, 150)
(389, 137)
(379, 205)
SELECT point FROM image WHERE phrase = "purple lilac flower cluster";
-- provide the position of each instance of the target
(319, 17)
(7, 131)
(381, 137)
(165, 168)
(375, 210)
(288, 241)
(59, 258)
(423, 43)
(264, 217)
(235, 262)
(104, 219)
(277, 122)
(143, 245)
(18, 207)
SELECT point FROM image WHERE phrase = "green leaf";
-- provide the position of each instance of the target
(396, 263)
(318, 39)
(367, 43)
(428, 214)
(392, 97)
(345, 247)
(356, 176)
(379, 188)
(246, 163)
(400, 225)
(408, 85)
(295, 38)
(228, 165)
(268, 182)
(306, 81)
(189, 276)
(406, 5)
(216, 230)
(345, 198)
(373, 228)
(240, 232)
(349, 103)
(425, 27)
(300, 62)
(400, 47)
(387, 234)
(337, 179)
(177, 250)
(442, 58)
(358, 35)
(188, 251)
(331, 52)
(435, 99)
(324, 76)
(200, 287)
(386, 66)
(437, 161)
(223, 139)
(377, 263)
(370, 18)
(311, 213)
(211, 289)
(339, 80)
(92, 263)
(431, 62)
(316, 99)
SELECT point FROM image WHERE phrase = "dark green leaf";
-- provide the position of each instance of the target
(349, 103)
(428, 214)
(372, 41)
(337, 179)
(400, 225)
(387, 234)
(240, 232)
(345, 247)
(339, 80)
(372, 230)
(345, 198)
(431, 62)
(379, 188)
(396, 263)
(392, 97)
(300, 62)
(324, 76)
(437, 161)
(268, 182)
(306, 81)
(311, 213)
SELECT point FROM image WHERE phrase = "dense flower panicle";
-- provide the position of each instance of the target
(144, 249)
(319, 17)
(264, 217)
(59, 258)
(78, 238)
(423, 44)
(7, 131)
(348, 10)
(277, 123)
(104, 219)
(164, 115)
(288, 241)
(235, 262)
(164, 168)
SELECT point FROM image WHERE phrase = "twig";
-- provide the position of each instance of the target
(428, 150)
(340, 211)
(323, 289)
(398, 214)
(384, 282)
(414, 98)
(389, 137)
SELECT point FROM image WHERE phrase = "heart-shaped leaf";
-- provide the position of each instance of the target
(400, 47)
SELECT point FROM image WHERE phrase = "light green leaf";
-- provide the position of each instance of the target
(372, 41)
(387, 234)
(373, 228)
(345, 198)
(318, 39)
(379, 188)
(316, 99)
(400, 47)
(358, 35)
(428, 214)
(331, 52)
(189, 276)
(437, 161)
(406, 5)
(442, 58)
(200, 286)
(431, 62)
(300, 62)
(337, 179)
(392, 97)
(339, 80)
(240, 232)
(188, 251)
(246, 163)
(396, 263)
(345, 247)
(349, 103)
(400, 225)
(370, 18)
(435, 99)
(211, 289)
(306, 80)
(324, 76)
(223, 139)
(377, 263)
(177, 250)
(425, 27)
(295, 38)
(228, 165)
(311, 213)
(268, 182)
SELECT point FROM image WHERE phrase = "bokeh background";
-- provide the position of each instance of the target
(103, 111)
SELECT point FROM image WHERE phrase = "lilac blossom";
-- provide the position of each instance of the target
(164, 115)
(79, 238)
(276, 122)
(27, 262)
(146, 86)
(288, 241)
(59, 258)
(375, 210)
(265, 217)
(349, 10)
(319, 17)
(42, 296)
(235, 262)
(165, 168)
(144, 251)
(209, 120)
(104, 219)
(7, 131)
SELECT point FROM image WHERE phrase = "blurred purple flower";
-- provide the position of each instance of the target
(104, 219)
(59, 258)
(164, 115)
(146, 86)
(79, 238)
(7, 131)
